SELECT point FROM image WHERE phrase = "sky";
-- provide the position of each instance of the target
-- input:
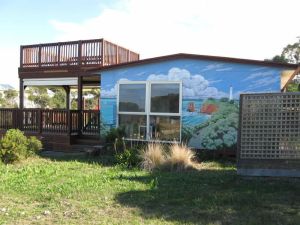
(252, 29)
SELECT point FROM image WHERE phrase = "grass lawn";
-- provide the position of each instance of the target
(82, 191)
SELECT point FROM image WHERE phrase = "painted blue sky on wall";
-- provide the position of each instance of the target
(200, 78)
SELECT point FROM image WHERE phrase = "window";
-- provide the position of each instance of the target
(134, 125)
(165, 128)
(132, 97)
(165, 98)
(150, 110)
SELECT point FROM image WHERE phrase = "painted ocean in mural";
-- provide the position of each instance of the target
(191, 112)
(210, 91)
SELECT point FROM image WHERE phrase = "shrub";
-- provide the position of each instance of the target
(34, 145)
(113, 134)
(180, 157)
(15, 146)
(115, 138)
(152, 156)
(128, 158)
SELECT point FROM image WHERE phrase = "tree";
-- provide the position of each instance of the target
(39, 96)
(9, 98)
(55, 97)
(289, 54)
(91, 98)
(58, 100)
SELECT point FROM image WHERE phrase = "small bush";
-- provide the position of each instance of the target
(114, 138)
(15, 146)
(180, 157)
(128, 158)
(34, 145)
(152, 156)
(113, 134)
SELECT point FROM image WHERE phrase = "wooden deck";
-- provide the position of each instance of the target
(58, 121)
(57, 128)
(85, 53)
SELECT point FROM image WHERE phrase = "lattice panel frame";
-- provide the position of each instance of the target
(269, 126)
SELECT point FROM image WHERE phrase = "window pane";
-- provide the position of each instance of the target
(165, 128)
(132, 97)
(134, 126)
(165, 98)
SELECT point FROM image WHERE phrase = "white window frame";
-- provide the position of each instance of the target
(118, 97)
(148, 112)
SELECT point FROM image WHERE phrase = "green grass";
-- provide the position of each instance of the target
(82, 191)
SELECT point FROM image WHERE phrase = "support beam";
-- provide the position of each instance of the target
(79, 88)
(79, 104)
(21, 96)
(67, 90)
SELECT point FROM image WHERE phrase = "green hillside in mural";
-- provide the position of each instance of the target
(220, 131)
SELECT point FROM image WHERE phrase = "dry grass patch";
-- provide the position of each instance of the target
(178, 157)
(152, 156)
(181, 158)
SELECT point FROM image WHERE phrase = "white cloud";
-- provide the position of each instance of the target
(112, 92)
(264, 82)
(245, 29)
(213, 66)
(259, 75)
(214, 81)
(224, 69)
(193, 86)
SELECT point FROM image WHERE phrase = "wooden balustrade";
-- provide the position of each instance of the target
(58, 121)
(75, 53)
(91, 122)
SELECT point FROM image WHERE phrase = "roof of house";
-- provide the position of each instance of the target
(199, 57)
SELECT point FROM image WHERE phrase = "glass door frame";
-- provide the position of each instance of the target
(148, 113)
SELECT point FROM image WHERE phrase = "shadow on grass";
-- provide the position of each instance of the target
(215, 197)
(104, 160)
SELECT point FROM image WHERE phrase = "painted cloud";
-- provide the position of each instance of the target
(194, 86)
(261, 80)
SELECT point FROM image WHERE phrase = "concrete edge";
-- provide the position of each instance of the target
(269, 172)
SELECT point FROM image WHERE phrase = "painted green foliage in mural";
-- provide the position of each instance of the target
(220, 131)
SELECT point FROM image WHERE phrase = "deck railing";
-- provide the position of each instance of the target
(57, 121)
(75, 53)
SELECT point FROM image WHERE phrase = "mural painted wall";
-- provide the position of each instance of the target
(210, 101)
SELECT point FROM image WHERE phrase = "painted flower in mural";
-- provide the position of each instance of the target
(193, 86)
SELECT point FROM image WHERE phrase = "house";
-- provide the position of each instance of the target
(150, 98)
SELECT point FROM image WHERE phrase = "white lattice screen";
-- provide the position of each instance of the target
(270, 126)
